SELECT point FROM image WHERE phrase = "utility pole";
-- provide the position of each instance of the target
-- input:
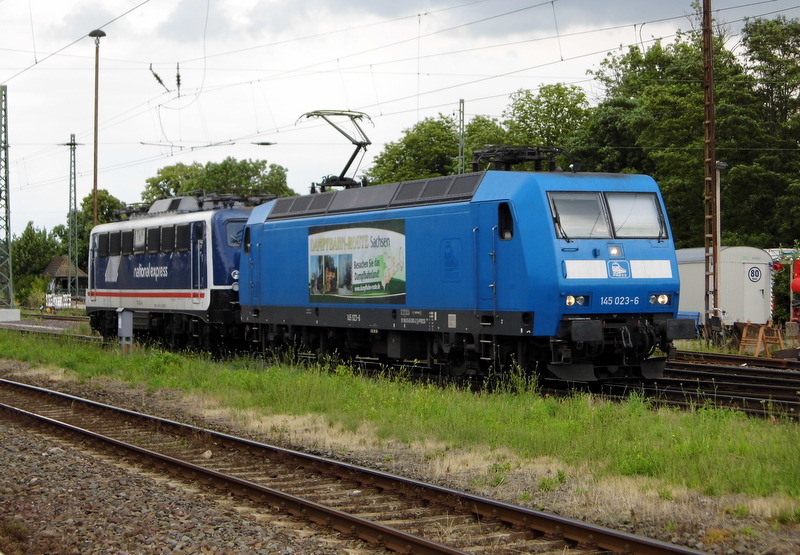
(97, 34)
(711, 195)
(461, 164)
(6, 279)
(72, 226)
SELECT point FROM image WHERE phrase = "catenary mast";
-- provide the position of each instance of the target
(6, 281)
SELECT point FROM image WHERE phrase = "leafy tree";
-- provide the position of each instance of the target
(32, 251)
(231, 176)
(608, 140)
(548, 118)
(171, 180)
(773, 54)
(428, 149)
(243, 177)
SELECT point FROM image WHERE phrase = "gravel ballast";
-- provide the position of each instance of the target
(56, 499)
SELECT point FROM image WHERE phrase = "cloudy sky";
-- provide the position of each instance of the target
(250, 69)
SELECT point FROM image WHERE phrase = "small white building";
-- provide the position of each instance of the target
(745, 284)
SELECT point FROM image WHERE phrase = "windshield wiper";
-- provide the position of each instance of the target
(662, 227)
(560, 228)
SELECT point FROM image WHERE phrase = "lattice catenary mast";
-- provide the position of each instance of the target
(6, 281)
(72, 251)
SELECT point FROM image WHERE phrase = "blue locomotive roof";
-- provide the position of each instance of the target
(435, 190)
(440, 190)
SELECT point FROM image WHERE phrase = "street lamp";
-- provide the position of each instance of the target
(96, 35)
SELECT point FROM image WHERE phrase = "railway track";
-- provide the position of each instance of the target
(759, 391)
(383, 510)
(699, 357)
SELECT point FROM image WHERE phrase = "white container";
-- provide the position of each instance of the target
(745, 284)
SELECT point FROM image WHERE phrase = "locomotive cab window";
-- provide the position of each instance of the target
(579, 214)
(182, 237)
(505, 222)
(153, 240)
(636, 215)
(234, 230)
(101, 244)
(168, 238)
(127, 242)
(139, 240)
(114, 243)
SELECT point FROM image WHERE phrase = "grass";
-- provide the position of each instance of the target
(714, 451)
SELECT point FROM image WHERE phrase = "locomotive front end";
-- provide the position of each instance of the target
(618, 281)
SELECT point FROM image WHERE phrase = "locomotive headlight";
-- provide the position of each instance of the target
(661, 299)
(580, 300)
(614, 251)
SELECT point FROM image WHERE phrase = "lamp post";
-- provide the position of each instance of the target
(96, 35)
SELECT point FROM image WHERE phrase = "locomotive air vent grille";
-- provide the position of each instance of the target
(409, 191)
(435, 190)
(438, 189)
(301, 204)
(465, 185)
(282, 207)
(321, 202)
(363, 198)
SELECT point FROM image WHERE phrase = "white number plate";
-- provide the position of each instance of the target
(619, 301)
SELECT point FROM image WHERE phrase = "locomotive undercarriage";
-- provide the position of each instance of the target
(194, 331)
(448, 354)
(584, 349)
(595, 349)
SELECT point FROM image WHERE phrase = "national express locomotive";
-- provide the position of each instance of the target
(568, 273)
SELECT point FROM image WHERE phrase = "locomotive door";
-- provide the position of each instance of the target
(197, 264)
(91, 287)
(485, 256)
(252, 251)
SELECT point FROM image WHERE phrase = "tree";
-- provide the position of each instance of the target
(773, 54)
(243, 177)
(171, 180)
(548, 118)
(608, 140)
(231, 176)
(31, 252)
(428, 149)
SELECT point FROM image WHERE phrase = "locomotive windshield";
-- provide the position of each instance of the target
(594, 215)
(234, 230)
(636, 215)
(579, 214)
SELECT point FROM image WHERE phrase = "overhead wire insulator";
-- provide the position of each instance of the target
(160, 82)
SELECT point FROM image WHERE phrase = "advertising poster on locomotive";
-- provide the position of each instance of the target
(358, 263)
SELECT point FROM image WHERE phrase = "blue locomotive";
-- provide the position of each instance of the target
(568, 273)
(175, 267)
